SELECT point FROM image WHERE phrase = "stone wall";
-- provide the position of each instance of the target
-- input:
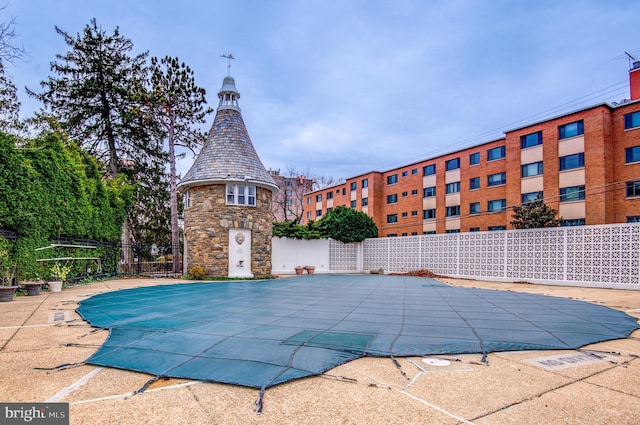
(206, 226)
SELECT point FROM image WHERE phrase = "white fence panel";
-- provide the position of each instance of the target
(287, 253)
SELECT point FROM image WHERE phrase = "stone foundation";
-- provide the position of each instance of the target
(206, 230)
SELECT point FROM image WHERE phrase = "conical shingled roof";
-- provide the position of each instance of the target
(228, 154)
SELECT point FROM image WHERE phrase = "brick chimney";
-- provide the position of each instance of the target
(634, 80)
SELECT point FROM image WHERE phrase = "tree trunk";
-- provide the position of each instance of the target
(173, 196)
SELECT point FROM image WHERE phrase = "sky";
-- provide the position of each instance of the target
(338, 88)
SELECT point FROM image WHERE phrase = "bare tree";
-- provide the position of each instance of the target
(287, 202)
(9, 104)
(323, 182)
(9, 52)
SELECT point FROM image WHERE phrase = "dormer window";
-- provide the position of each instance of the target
(240, 194)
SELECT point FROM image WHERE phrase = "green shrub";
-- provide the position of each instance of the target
(197, 273)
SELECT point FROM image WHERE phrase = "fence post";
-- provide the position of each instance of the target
(139, 257)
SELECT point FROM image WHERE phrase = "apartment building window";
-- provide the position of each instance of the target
(238, 194)
(570, 162)
(404, 234)
(533, 169)
(329, 210)
(633, 189)
(392, 199)
(474, 208)
(414, 171)
(318, 213)
(496, 228)
(429, 170)
(319, 198)
(365, 183)
(344, 191)
(474, 183)
(392, 235)
(353, 186)
(187, 199)
(428, 192)
(352, 204)
(404, 214)
(405, 173)
(632, 120)
(405, 194)
(496, 153)
(453, 231)
(452, 187)
(531, 196)
(392, 179)
(573, 193)
(633, 219)
(452, 164)
(430, 232)
(573, 222)
(289, 202)
(453, 211)
(530, 140)
(392, 218)
(497, 205)
(308, 200)
(309, 215)
(571, 130)
(429, 214)
(365, 202)
(329, 195)
(288, 183)
(632, 154)
(474, 229)
(414, 233)
(496, 179)
(474, 158)
(414, 192)
(414, 213)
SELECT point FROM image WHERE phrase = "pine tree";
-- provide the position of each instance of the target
(92, 95)
(178, 106)
(534, 214)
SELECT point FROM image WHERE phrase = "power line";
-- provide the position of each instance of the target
(617, 89)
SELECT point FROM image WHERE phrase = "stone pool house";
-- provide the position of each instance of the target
(227, 199)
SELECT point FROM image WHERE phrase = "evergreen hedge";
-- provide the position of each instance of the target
(50, 188)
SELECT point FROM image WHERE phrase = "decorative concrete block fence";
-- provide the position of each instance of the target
(605, 256)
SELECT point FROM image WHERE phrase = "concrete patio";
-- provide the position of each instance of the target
(513, 388)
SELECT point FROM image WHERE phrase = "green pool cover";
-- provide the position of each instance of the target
(263, 333)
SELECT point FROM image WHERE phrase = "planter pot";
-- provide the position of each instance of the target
(299, 270)
(55, 286)
(310, 269)
(33, 288)
(6, 293)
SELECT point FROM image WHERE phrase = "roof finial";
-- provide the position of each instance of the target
(228, 57)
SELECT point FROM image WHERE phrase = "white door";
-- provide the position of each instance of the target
(240, 253)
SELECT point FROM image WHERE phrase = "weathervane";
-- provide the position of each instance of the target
(228, 57)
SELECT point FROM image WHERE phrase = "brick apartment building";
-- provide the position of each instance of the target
(585, 164)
